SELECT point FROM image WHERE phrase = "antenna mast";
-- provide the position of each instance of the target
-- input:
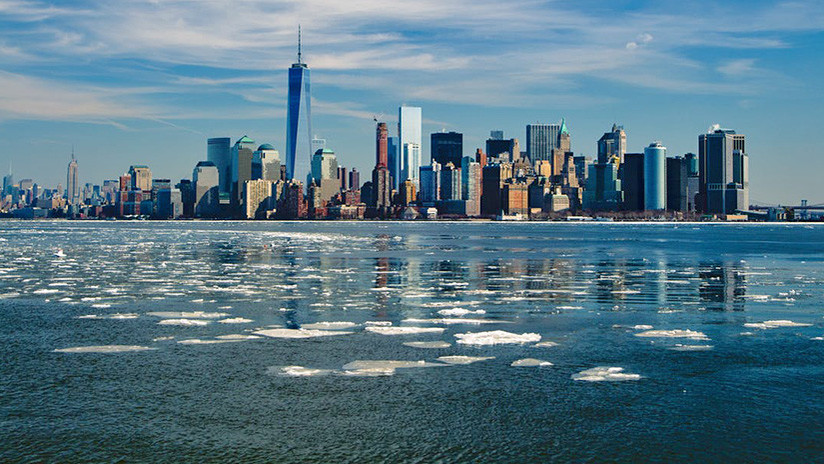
(299, 59)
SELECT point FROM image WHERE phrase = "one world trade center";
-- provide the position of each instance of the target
(298, 122)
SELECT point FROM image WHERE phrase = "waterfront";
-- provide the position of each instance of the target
(193, 294)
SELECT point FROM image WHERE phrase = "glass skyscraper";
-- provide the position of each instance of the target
(298, 122)
(655, 177)
(218, 151)
(409, 144)
(541, 139)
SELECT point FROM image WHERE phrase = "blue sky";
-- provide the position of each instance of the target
(146, 82)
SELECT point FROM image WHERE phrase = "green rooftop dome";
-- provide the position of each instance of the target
(266, 146)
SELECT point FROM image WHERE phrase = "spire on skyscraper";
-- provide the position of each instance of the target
(299, 57)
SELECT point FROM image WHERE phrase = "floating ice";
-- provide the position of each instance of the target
(428, 345)
(197, 341)
(775, 324)
(403, 330)
(372, 372)
(46, 291)
(386, 364)
(463, 359)
(330, 325)
(817, 338)
(680, 347)
(378, 323)
(677, 333)
(531, 362)
(496, 337)
(109, 316)
(298, 333)
(570, 307)
(460, 312)
(104, 349)
(162, 339)
(604, 374)
(235, 320)
(101, 305)
(186, 315)
(298, 371)
(184, 322)
(546, 344)
(449, 321)
(238, 337)
(642, 327)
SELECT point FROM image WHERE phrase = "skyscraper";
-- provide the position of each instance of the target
(655, 177)
(381, 185)
(218, 151)
(141, 177)
(298, 121)
(723, 166)
(409, 143)
(241, 170)
(72, 182)
(446, 147)
(430, 183)
(612, 145)
(392, 149)
(540, 140)
(381, 146)
(266, 163)
(497, 147)
(206, 179)
(632, 181)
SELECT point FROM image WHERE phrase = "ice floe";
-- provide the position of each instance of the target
(235, 320)
(365, 365)
(197, 341)
(460, 312)
(428, 345)
(680, 347)
(238, 337)
(330, 325)
(104, 349)
(299, 333)
(298, 371)
(378, 323)
(531, 362)
(184, 322)
(187, 315)
(463, 359)
(109, 316)
(546, 344)
(775, 324)
(403, 330)
(677, 333)
(496, 337)
(605, 374)
(453, 320)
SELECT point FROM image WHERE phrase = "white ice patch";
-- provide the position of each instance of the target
(460, 312)
(531, 362)
(184, 322)
(197, 341)
(104, 349)
(330, 325)
(298, 333)
(463, 359)
(238, 337)
(116, 316)
(298, 371)
(386, 364)
(642, 327)
(775, 324)
(680, 347)
(428, 345)
(450, 321)
(605, 374)
(818, 338)
(546, 344)
(496, 337)
(403, 330)
(235, 320)
(378, 323)
(187, 315)
(677, 333)
(101, 305)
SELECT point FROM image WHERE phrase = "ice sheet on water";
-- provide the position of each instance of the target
(605, 374)
(197, 341)
(776, 324)
(460, 312)
(403, 330)
(680, 347)
(330, 325)
(299, 333)
(187, 314)
(496, 337)
(109, 316)
(362, 365)
(104, 349)
(428, 345)
(238, 337)
(677, 333)
(298, 371)
(184, 322)
(378, 323)
(546, 344)
(531, 362)
(450, 321)
(235, 320)
(463, 359)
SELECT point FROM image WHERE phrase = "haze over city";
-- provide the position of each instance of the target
(149, 82)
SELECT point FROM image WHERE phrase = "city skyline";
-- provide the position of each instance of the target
(663, 76)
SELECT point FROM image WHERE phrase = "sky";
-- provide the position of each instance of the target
(147, 82)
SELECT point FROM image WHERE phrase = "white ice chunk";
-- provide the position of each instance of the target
(546, 344)
(186, 315)
(677, 333)
(197, 341)
(403, 330)
(775, 324)
(184, 322)
(237, 337)
(680, 347)
(378, 323)
(604, 374)
(104, 349)
(463, 359)
(298, 333)
(531, 362)
(386, 364)
(450, 321)
(235, 320)
(330, 325)
(460, 312)
(428, 345)
(298, 371)
(496, 337)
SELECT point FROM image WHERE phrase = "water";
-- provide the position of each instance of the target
(729, 391)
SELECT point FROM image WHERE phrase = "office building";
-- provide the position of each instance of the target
(354, 179)
(266, 163)
(677, 185)
(72, 183)
(218, 151)
(259, 198)
(723, 166)
(392, 156)
(206, 180)
(612, 146)
(430, 179)
(632, 181)
(407, 193)
(409, 143)
(325, 174)
(492, 181)
(141, 178)
(515, 198)
(541, 139)
(471, 172)
(451, 183)
(505, 149)
(446, 147)
(655, 177)
(241, 170)
(603, 192)
(691, 160)
(496, 135)
(298, 121)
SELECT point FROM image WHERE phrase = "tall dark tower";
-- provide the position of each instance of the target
(299, 121)
(381, 137)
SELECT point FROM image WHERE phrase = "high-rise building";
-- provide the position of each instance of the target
(655, 177)
(492, 181)
(241, 170)
(392, 155)
(451, 182)
(266, 163)
(560, 151)
(298, 121)
(318, 144)
(206, 179)
(141, 177)
(632, 181)
(381, 182)
(325, 174)
(381, 148)
(508, 149)
(259, 198)
(218, 151)
(408, 193)
(677, 184)
(515, 197)
(354, 179)
(723, 166)
(446, 147)
(162, 198)
(691, 160)
(496, 135)
(540, 140)
(343, 178)
(72, 183)
(612, 145)
(430, 179)
(603, 192)
(471, 185)
(409, 143)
